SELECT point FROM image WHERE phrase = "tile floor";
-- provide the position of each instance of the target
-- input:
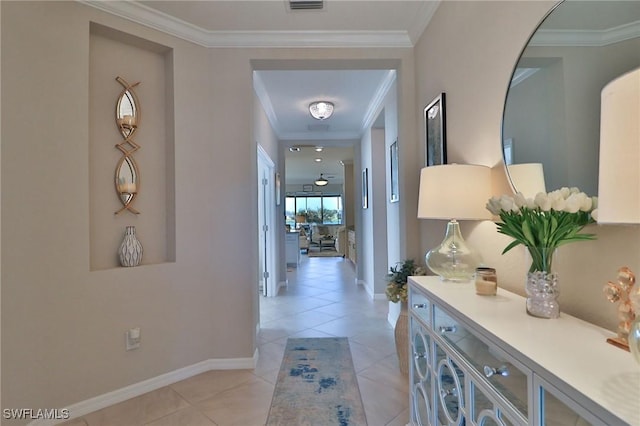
(321, 300)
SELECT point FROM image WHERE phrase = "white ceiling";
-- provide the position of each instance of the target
(301, 167)
(286, 95)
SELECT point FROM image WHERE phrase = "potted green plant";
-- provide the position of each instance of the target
(397, 286)
(396, 291)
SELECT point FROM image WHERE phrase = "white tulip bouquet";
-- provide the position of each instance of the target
(545, 222)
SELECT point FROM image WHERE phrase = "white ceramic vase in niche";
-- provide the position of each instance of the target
(130, 250)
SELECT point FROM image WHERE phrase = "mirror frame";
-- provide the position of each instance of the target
(127, 189)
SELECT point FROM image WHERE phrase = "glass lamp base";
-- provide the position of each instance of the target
(453, 260)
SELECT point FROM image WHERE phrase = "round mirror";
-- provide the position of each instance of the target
(551, 123)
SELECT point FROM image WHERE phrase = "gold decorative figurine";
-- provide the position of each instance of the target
(620, 292)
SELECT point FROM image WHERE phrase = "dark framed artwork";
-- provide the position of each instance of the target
(365, 188)
(436, 131)
(394, 196)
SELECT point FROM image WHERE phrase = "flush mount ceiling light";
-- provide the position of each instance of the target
(319, 149)
(317, 160)
(321, 181)
(294, 149)
(321, 110)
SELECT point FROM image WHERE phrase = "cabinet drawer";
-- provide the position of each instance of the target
(419, 305)
(505, 375)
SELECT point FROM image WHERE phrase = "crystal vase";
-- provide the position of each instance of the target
(542, 284)
(131, 249)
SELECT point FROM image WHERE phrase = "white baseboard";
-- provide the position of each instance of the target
(394, 313)
(99, 402)
(391, 319)
(368, 289)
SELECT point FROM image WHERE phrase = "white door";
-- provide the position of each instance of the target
(266, 226)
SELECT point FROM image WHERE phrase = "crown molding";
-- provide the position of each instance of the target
(377, 99)
(265, 100)
(586, 38)
(307, 39)
(151, 18)
(521, 74)
(168, 24)
(422, 19)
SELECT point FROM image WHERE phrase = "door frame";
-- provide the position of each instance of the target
(266, 216)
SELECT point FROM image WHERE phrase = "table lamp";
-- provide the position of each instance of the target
(300, 219)
(454, 191)
(619, 175)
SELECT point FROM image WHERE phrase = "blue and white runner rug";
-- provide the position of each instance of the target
(317, 385)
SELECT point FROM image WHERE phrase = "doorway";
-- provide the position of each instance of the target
(284, 90)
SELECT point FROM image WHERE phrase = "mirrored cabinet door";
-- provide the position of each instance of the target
(421, 375)
(557, 409)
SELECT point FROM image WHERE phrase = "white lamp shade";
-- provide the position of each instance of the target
(454, 191)
(619, 174)
(527, 178)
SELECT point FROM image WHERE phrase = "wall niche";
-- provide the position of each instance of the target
(113, 53)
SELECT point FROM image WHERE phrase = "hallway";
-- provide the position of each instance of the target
(321, 300)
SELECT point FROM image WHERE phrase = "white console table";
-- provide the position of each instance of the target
(481, 360)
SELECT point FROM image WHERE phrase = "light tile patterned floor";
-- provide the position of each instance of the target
(321, 300)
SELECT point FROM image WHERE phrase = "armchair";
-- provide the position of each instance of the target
(304, 240)
(321, 237)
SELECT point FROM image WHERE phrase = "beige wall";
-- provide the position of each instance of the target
(63, 325)
(468, 51)
(63, 332)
